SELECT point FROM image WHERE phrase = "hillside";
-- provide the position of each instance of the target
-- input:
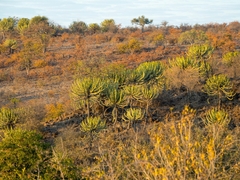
(120, 103)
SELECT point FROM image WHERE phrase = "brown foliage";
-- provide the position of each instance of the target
(222, 40)
(172, 36)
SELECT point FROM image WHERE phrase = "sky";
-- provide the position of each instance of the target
(175, 12)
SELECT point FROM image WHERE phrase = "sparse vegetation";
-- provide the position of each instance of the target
(97, 101)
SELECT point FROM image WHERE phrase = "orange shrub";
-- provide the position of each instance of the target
(117, 38)
(101, 38)
(39, 63)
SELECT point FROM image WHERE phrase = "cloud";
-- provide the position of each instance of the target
(175, 12)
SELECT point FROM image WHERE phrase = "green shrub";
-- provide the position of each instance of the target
(158, 39)
(85, 92)
(215, 116)
(220, 86)
(132, 115)
(8, 118)
(53, 111)
(92, 124)
(21, 155)
(200, 52)
(131, 46)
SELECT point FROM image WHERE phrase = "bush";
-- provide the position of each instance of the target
(232, 59)
(53, 111)
(133, 115)
(215, 116)
(40, 63)
(192, 36)
(220, 86)
(131, 46)
(8, 118)
(21, 155)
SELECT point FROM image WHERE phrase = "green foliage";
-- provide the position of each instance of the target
(134, 45)
(8, 118)
(86, 91)
(21, 155)
(132, 93)
(131, 46)
(192, 37)
(158, 39)
(117, 74)
(93, 28)
(23, 24)
(149, 72)
(14, 101)
(11, 44)
(108, 25)
(141, 21)
(7, 24)
(219, 85)
(30, 51)
(61, 166)
(38, 19)
(122, 48)
(200, 52)
(232, 59)
(204, 68)
(115, 98)
(133, 114)
(92, 124)
(78, 27)
(187, 63)
(215, 116)
(149, 93)
(2, 48)
(53, 111)
(183, 63)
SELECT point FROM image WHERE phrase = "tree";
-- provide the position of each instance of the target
(108, 25)
(164, 24)
(78, 27)
(41, 30)
(38, 19)
(22, 25)
(93, 28)
(6, 25)
(31, 50)
(141, 21)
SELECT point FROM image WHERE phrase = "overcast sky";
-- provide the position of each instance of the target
(64, 12)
